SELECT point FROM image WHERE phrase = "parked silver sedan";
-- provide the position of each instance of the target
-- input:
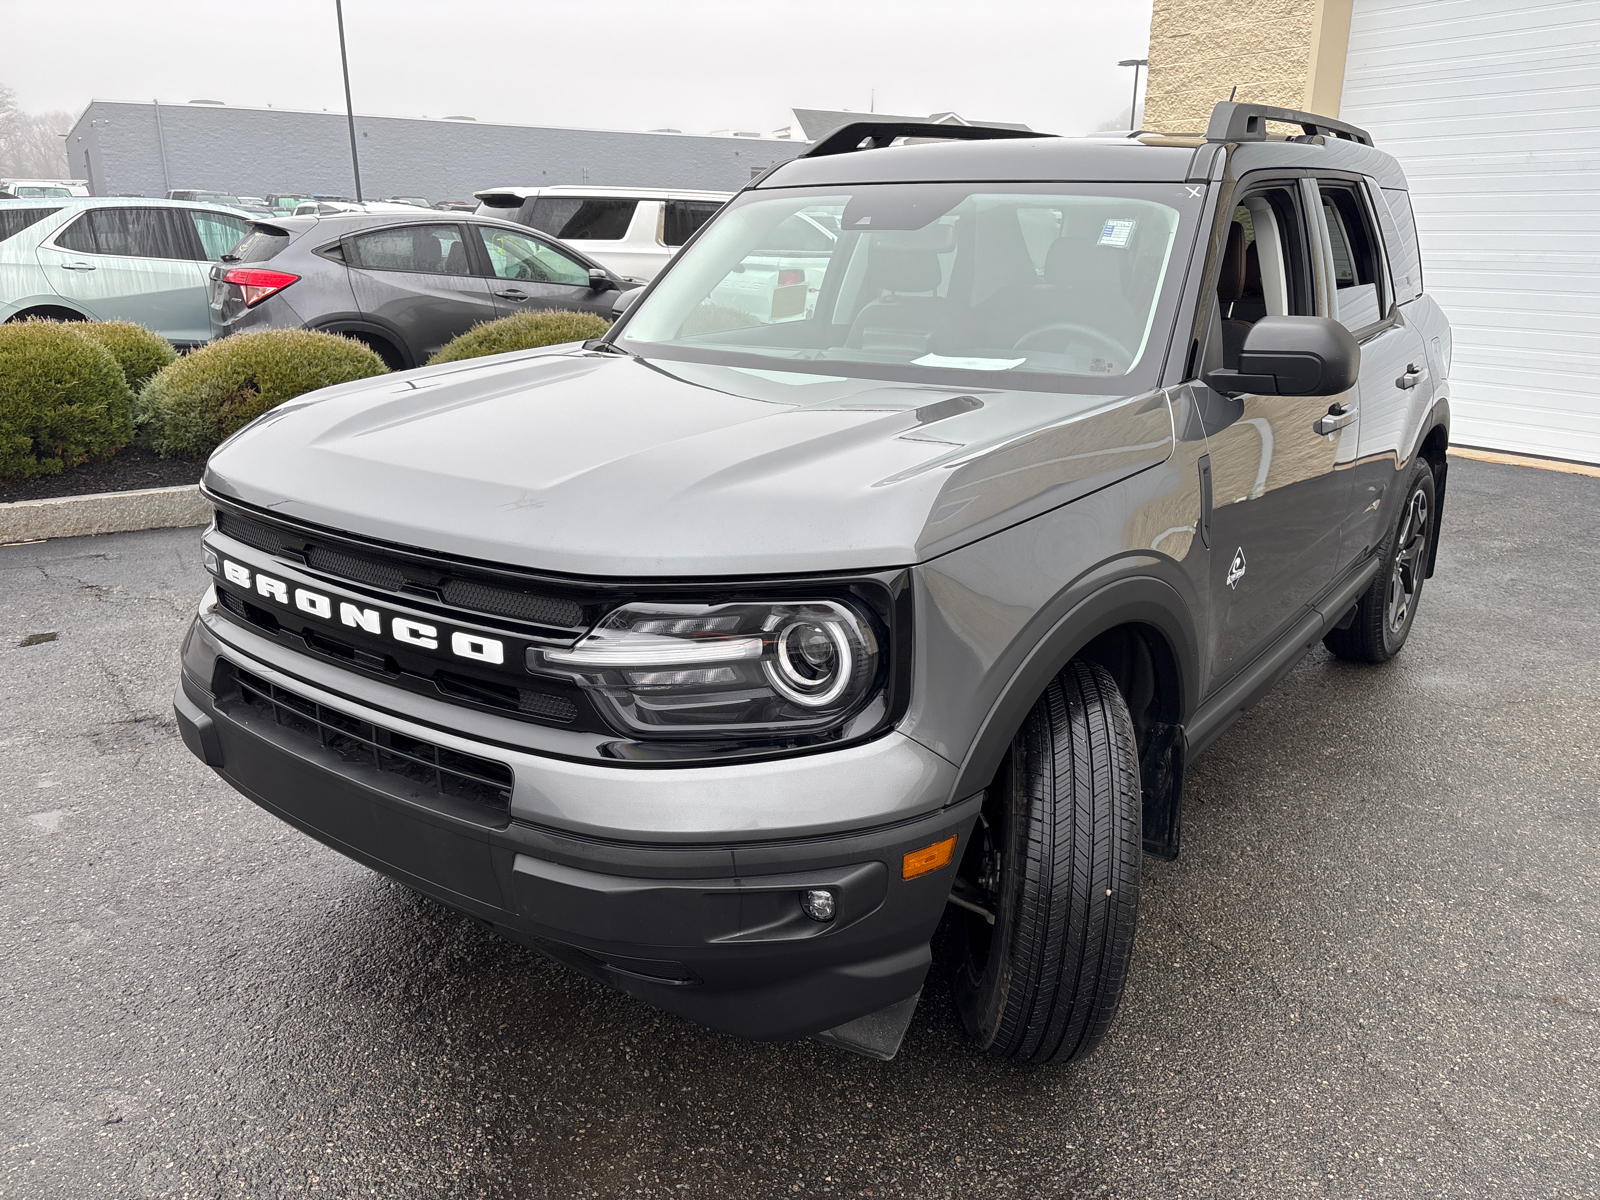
(110, 259)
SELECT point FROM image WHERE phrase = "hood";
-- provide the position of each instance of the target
(587, 463)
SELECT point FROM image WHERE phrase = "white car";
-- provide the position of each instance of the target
(108, 259)
(321, 208)
(633, 231)
(36, 189)
(779, 281)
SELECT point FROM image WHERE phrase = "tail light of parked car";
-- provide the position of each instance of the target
(788, 277)
(257, 283)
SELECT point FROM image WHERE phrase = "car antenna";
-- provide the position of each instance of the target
(1233, 93)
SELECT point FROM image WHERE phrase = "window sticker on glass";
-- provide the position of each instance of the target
(968, 364)
(1117, 232)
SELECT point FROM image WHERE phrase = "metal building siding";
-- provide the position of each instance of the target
(134, 147)
(1493, 109)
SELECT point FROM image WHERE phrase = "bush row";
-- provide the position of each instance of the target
(73, 392)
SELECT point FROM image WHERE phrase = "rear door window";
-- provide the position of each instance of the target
(683, 217)
(1353, 242)
(577, 218)
(14, 220)
(133, 233)
(423, 249)
(218, 232)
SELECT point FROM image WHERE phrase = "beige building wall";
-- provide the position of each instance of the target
(1287, 53)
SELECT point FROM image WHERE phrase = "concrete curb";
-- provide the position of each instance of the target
(103, 512)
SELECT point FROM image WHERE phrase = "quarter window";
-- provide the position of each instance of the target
(421, 249)
(683, 217)
(515, 255)
(1357, 276)
(14, 220)
(583, 219)
(133, 233)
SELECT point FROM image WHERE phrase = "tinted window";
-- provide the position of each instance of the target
(518, 256)
(133, 233)
(259, 245)
(219, 232)
(1264, 270)
(425, 249)
(1357, 277)
(683, 217)
(576, 218)
(14, 220)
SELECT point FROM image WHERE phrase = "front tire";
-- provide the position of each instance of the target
(1386, 611)
(1055, 859)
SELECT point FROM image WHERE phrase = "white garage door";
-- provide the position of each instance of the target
(1493, 109)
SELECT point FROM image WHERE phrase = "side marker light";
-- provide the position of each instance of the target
(929, 858)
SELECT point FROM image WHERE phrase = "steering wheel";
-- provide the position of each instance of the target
(1049, 336)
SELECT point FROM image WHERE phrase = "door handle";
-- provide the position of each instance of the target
(77, 266)
(1413, 376)
(513, 294)
(1337, 418)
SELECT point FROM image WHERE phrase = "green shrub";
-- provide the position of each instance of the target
(138, 351)
(716, 318)
(63, 400)
(190, 407)
(522, 331)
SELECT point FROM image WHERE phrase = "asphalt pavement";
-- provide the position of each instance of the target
(1373, 972)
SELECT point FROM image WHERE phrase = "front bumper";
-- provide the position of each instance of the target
(709, 928)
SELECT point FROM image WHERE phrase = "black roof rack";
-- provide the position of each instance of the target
(1239, 122)
(878, 134)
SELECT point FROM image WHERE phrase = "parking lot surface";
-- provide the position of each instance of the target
(1374, 971)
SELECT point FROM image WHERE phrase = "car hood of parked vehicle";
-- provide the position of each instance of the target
(590, 463)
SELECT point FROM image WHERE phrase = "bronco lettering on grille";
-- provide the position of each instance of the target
(472, 646)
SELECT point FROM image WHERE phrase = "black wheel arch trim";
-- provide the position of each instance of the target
(1438, 420)
(1139, 600)
(361, 323)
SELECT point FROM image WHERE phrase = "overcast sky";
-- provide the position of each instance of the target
(694, 65)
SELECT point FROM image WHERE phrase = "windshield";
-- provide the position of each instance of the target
(1025, 283)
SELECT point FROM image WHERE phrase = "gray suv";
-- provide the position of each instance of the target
(405, 283)
(725, 657)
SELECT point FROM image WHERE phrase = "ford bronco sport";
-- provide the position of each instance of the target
(724, 656)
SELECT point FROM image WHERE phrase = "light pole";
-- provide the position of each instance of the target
(1133, 109)
(349, 108)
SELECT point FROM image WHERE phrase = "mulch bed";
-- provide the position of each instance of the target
(133, 469)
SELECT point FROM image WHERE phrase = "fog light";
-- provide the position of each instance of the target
(818, 904)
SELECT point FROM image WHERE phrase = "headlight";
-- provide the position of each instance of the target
(699, 670)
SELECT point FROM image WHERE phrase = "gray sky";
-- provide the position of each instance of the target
(695, 65)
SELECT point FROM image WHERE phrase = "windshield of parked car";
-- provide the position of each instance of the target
(1025, 283)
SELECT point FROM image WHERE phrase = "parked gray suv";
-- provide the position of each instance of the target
(726, 656)
(405, 283)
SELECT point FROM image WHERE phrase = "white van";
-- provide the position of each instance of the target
(633, 231)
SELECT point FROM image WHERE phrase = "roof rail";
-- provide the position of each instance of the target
(878, 134)
(1240, 122)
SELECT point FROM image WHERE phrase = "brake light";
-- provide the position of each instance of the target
(257, 284)
(790, 277)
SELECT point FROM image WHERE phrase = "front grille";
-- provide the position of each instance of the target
(459, 587)
(479, 782)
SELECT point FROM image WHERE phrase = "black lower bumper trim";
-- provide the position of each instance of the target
(713, 933)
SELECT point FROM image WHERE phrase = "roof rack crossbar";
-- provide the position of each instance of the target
(1241, 122)
(878, 134)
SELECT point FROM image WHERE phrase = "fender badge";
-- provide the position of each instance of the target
(1236, 568)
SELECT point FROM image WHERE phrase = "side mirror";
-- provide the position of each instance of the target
(1293, 356)
(624, 301)
(600, 281)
